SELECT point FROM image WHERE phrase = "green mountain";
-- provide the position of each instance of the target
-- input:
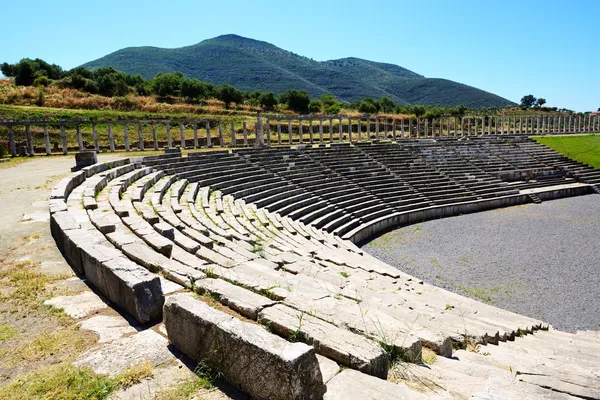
(254, 65)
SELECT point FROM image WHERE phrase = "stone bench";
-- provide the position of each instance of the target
(256, 361)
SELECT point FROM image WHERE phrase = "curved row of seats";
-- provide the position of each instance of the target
(220, 223)
(162, 226)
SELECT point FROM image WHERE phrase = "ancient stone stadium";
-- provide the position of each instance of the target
(269, 229)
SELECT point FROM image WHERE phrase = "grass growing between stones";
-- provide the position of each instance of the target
(584, 148)
(67, 382)
(202, 381)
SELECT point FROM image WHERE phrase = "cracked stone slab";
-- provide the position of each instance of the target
(284, 371)
(329, 368)
(78, 306)
(116, 357)
(107, 327)
(237, 298)
(347, 348)
(350, 384)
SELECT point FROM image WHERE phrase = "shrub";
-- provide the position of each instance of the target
(41, 99)
(3, 151)
(167, 84)
(315, 106)
(41, 81)
(297, 100)
(333, 109)
(228, 94)
(368, 106)
(91, 86)
(268, 101)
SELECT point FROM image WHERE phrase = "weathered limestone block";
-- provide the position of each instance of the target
(261, 364)
(63, 188)
(134, 289)
(340, 345)
(85, 159)
(350, 384)
(165, 229)
(121, 354)
(235, 297)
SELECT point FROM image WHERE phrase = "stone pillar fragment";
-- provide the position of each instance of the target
(321, 129)
(340, 129)
(290, 131)
(11, 142)
(182, 135)
(79, 138)
(126, 137)
(278, 132)
(233, 139)
(63, 136)
(330, 130)
(29, 140)
(349, 129)
(94, 135)
(169, 141)
(310, 130)
(259, 134)
(245, 133)
(195, 130)
(208, 138)
(221, 139)
(47, 140)
(140, 137)
(300, 131)
(111, 139)
(154, 136)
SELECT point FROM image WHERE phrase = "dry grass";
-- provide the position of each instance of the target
(60, 382)
(64, 343)
(134, 374)
(7, 333)
(74, 99)
(66, 382)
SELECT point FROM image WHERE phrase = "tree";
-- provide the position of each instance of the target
(335, 108)
(368, 106)
(193, 90)
(8, 70)
(315, 106)
(328, 100)
(228, 94)
(268, 101)
(528, 101)
(25, 73)
(386, 105)
(296, 100)
(541, 102)
(419, 110)
(167, 84)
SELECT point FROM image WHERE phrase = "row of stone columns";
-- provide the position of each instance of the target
(383, 128)
(111, 138)
(449, 126)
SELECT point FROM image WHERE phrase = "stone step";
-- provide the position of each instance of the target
(342, 346)
(259, 363)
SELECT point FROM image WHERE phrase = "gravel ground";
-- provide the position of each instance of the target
(538, 260)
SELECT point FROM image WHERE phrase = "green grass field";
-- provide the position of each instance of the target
(585, 148)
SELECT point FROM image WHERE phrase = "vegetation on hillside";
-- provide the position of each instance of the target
(254, 65)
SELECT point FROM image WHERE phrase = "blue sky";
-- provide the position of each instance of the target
(512, 48)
